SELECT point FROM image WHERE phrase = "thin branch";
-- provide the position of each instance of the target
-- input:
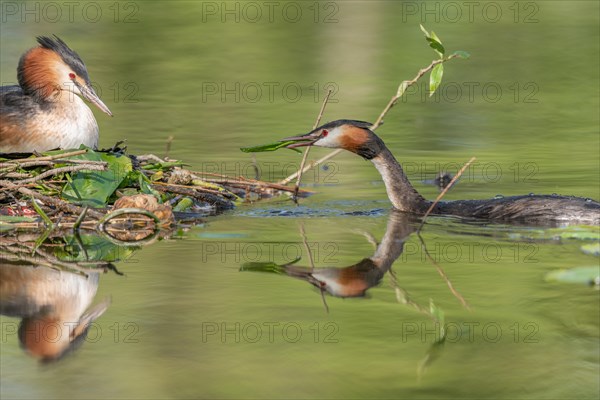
(402, 295)
(14, 175)
(9, 166)
(306, 247)
(150, 157)
(47, 158)
(305, 156)
(399, 93)
(405, 85)
(57, 171)
(241, 181)
(60, 204)
(443, 192)
(424, 246)
(212, 199)
(199, 188)
(312, 165)
(312, 264)
(168, 145)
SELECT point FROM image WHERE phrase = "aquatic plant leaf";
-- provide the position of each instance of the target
(183, 205)
(94, 188)
(573, 232)
(269, 147)
(435, 78)
(267, 266)
(583, 275)
(592, 249)
(263, 267)
(576, 232)
(92, 248)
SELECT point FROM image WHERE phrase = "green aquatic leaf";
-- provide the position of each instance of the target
(267, 266)
(41, 213)
(269, 147)
(582, 275)
(92, 248)
(94, 188)
(576, 232)
(592, 249)
(183, 205)
(263, 267)
(435, 78)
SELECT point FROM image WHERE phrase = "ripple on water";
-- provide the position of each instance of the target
(329, 209)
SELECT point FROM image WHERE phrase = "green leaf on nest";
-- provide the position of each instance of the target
(94, 188)
(92, 248)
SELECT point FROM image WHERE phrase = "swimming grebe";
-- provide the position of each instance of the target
(356, 136)
(44, 111)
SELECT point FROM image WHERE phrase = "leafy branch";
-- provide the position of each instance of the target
(435, 79)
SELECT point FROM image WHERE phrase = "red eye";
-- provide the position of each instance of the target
(325, 132)
(72, 75)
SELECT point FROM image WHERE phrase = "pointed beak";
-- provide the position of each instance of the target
(90, 95)
(90, 316)
(302, 140)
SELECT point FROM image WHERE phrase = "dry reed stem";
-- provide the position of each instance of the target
(305, 156)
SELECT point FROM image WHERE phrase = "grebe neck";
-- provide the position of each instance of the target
(401, 193)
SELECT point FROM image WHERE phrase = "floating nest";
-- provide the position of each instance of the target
(128, 197)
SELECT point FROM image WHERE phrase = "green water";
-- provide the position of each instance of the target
(185, 322)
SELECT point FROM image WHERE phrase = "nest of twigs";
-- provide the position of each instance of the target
(88, 189)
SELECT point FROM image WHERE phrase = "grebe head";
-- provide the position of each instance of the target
(347, 134)
(53, 67)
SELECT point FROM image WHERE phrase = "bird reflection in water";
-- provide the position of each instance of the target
(354, 280)
(52, 305)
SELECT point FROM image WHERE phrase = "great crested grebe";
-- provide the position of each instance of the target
(44, 111)
(357, 137)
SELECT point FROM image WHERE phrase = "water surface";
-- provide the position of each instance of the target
(185, 321)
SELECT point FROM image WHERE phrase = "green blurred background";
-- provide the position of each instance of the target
(222, 75)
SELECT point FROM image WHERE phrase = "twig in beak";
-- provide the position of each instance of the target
(300, 170)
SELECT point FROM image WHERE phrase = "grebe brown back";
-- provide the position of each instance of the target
(357, 137)
(44, 111)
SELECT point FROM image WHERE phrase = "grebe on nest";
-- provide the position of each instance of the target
(44, 111)
(357, 137)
